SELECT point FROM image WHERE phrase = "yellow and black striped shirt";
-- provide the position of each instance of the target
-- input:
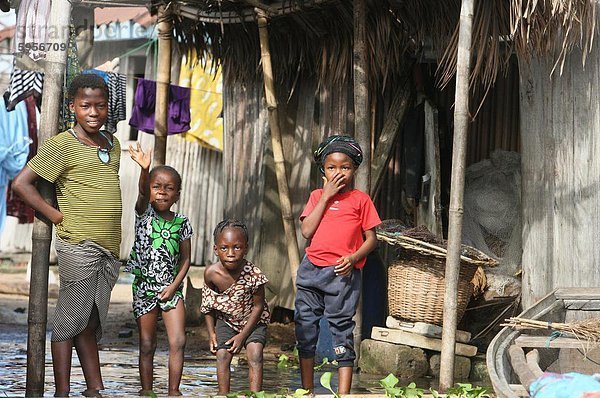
(88, 191)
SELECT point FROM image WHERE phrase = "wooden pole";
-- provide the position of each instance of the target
(163, 79)
(362, 131)
(282, 185)
(461, 124)
(54, 72)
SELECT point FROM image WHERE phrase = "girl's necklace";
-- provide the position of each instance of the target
(103, 153)
(86, 140)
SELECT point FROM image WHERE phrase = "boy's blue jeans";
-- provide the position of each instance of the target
(320, 292)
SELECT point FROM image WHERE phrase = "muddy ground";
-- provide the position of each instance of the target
(119, 344)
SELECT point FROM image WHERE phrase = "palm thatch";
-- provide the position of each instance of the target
(314, 37)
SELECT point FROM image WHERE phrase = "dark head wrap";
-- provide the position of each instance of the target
(338, 143)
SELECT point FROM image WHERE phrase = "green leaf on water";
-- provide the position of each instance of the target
(389, 381)
(319, 366)
(300, 392)
(326, 382)
(283, 361)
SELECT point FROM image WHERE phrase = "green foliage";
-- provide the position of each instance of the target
(292, 362)
(284, 362)
(461, 390)
(466, 390)
(326, 382)
(283, 393)
(392, 391)
(325, 362)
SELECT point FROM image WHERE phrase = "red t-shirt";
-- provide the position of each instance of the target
(341, 229)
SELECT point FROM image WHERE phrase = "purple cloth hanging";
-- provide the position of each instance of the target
(142, 115)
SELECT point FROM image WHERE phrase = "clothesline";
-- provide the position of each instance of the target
(148, 43)
(191, 88)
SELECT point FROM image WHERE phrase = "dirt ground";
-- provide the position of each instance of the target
(119, 344)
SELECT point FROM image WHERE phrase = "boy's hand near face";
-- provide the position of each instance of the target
(330, 188)
(140, 157)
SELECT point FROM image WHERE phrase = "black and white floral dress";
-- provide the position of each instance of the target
(154, 259)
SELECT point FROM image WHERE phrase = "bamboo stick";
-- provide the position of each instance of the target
(461, 124)
(163, 79)
(282, 185)
(54, 71)
(362, 131)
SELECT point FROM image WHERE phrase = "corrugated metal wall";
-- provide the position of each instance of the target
(496, 126)
(306, 117)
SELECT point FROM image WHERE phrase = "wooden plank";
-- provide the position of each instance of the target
(582, 305)
(533, 361)
(397, 336)
(387, 138)
(548, 342)
(578, 293)
(519, 365)
(519, 390)
(424, 329)
(537, 168)
(430, 210)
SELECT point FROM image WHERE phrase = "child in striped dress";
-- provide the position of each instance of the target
(83, 164)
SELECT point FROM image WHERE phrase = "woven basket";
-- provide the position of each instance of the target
(416, 287)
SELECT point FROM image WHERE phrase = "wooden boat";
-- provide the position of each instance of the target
(515, 358)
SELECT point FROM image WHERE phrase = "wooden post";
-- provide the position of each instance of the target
(163, 78)
(362, 131)
(282, 185)
(37, 315)
(461, 124)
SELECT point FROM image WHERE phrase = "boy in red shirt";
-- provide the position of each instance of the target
(340, 223)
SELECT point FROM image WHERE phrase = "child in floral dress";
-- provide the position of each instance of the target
(159, 261)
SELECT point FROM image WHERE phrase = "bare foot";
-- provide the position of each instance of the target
(91, 393)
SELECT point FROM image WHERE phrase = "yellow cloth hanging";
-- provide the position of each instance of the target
(206, 101)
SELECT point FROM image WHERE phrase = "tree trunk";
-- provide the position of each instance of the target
(282, 184)
(54, 73)
(163, 79)
(461, 125)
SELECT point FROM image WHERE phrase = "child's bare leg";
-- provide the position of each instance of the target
(254, 351)
(223, 372)
(61, 364)
(307, 368)
(345, 379)
(175, 324)
(147, 336)
(87, 350)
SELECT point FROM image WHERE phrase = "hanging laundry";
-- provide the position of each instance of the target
(14, 204)
(23, 83)
(14, 148)
(31, 32)
(142, 115)
(117, 83)
(67, 118)
(206, 101)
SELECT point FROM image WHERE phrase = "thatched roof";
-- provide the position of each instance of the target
(315, 36)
